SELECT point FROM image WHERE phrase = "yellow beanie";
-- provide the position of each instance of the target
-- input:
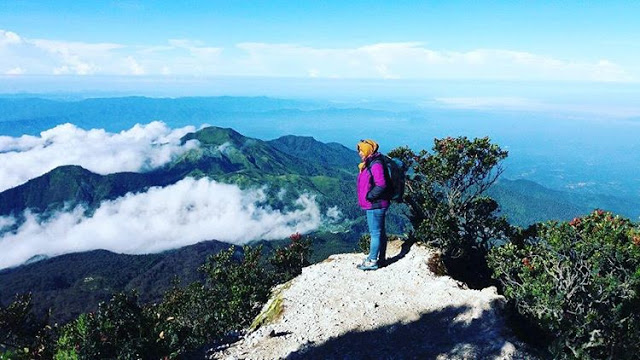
(367, 147)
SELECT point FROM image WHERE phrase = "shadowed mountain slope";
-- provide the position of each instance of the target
(74, 283)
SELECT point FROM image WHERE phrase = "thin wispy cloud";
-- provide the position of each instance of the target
(399, 60)
(490, 103)
(178, 215)
(139, 149)
(532, 105)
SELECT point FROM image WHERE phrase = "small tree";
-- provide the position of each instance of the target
(447, 208)
(242, 286)
(288, 261)
(187, 318)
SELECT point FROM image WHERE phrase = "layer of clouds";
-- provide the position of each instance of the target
(483, 103)
(141, 148)
(532, 105)
(182, 214)
(402, 60)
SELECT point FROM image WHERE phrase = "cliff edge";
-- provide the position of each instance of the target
(401, 311)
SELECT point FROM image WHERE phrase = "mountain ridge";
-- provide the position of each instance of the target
(223, 155)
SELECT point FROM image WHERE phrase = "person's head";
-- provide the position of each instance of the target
(366, 148)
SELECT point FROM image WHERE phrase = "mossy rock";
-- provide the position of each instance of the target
(272, 310)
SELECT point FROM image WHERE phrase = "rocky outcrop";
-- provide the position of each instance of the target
(401, 311)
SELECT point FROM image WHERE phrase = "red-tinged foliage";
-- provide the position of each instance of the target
(237, 285)
(579, 282)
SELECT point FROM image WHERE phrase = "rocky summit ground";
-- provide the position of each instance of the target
(401, 311)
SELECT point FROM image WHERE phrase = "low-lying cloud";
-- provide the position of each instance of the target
(141, 148)
(535, 105)
(178, 215)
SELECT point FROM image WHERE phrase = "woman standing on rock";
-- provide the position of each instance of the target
(371, 189)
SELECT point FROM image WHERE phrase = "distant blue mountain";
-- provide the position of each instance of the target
(525, 202)
(32, 115)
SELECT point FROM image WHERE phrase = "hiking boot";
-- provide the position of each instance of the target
(368, 265)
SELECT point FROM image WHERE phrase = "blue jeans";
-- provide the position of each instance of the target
(378, 245)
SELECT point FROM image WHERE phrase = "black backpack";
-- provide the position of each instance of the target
(394, 176)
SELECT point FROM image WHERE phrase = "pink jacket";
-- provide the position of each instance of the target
(370, 191)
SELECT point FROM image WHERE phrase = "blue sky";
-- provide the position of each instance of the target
(530, 41)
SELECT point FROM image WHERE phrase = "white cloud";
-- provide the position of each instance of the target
(6, 221)
(8, 38)
(141, 148)
(76, 57)
(15, 71)
(182, 214)
(509, 103)
(401, 60)
(54, 57)
(334, 214)
(134, 66)
(414, 61)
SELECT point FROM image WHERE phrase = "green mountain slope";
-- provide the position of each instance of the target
(69, 186)
(304, 147)
(284, 167)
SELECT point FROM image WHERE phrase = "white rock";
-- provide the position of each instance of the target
(398, 311)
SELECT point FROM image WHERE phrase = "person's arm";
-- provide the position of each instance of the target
(379, 183)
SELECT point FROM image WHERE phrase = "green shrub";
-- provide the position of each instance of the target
(186, 319)
(22, 334)
(242, 286)
(288, 261)
(236, 287)
(578, 281)
(447, 208)
(364, 243)
(119, 329)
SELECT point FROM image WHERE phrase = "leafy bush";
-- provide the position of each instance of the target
(242, 286)
(236, 287)
(119, 329)
(447, 209)
(288, 261)
(579, 281)
(189, 317)
(22, 334)
(364, 243)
